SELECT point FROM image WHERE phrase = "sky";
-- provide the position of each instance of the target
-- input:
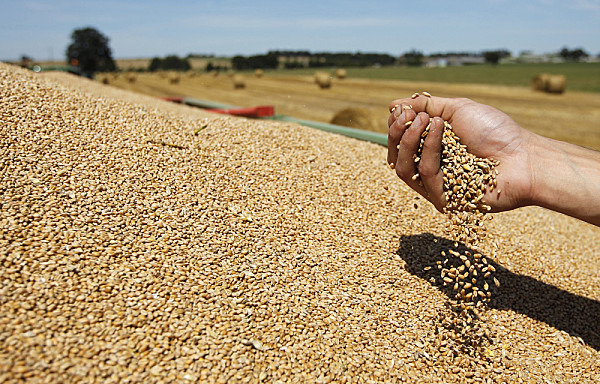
(145, 29)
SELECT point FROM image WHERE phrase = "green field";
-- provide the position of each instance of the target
(580, 76)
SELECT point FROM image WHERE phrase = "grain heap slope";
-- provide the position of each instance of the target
(133, 249)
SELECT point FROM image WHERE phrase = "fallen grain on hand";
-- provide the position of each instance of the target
(138, 262)
(466, 178)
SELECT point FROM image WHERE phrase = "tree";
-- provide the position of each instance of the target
(26, 61)
(270, 60)
(493, 57)
(169, 63)
(412, 58)
(173, 62)
(89, 51)
(573, 55)
(155, 64)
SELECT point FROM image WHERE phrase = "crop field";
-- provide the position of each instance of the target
(580, 76)
(573, 116)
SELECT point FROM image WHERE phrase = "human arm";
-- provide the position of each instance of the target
(566, 179)
(533, 170)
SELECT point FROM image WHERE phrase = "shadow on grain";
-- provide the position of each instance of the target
(574, 314)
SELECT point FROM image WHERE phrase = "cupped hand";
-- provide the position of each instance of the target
(486, 131)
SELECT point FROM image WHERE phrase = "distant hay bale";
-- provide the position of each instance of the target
(361, 118)
(340, 73)
(323, 80)
(214, 73)
(556, 84)
(259, 73)
(545, 82)
(131, 77)
(104, 79)
(539, 82)
(238, 81)
(174, 78)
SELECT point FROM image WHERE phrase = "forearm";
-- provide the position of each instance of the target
(566, 179)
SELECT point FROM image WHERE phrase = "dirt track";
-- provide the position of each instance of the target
(572, 116)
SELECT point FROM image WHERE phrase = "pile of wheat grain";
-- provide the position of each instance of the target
(147, 242)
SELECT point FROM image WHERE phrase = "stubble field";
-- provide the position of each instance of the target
(572, 116)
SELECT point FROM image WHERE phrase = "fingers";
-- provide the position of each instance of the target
(423, 173)
(396, 103)
(432, 105)
(407, 151)
(398, 123)
(429, 167)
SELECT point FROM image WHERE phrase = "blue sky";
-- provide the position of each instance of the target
(140, 29)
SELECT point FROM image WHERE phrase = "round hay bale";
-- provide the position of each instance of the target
(131, 77)
(556, 84)
(238, 81)
(323, 80)
(340, 73)
(214, 73)
(539, 82)
(545, 82)
(104, 79)
(174, 78)
(361, 118)
(259, 73)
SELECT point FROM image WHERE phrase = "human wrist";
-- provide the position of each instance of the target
(520, 170)
(538, 149)
(565, 178)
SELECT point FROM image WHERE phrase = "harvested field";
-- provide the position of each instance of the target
(572, 116)
(144, 241)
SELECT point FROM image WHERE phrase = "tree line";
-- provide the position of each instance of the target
(306, 59)
(89, 52)
(171, 62)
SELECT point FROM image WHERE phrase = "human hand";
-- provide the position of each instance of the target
(486, 131)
